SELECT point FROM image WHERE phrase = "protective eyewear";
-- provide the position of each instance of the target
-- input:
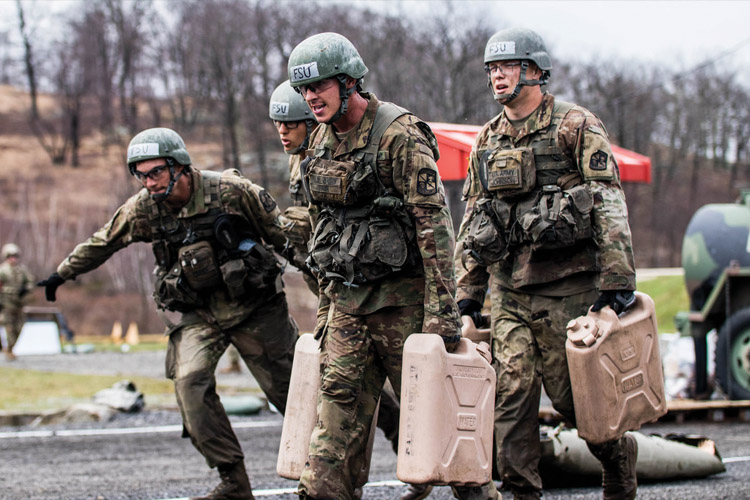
(152, 174)
(289, 125)
(316, 87)
(503, 68)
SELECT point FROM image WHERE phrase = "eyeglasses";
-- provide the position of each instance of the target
(503, 67)
(152, 174)
(289, 125)
(316, 87)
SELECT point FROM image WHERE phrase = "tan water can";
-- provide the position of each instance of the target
(615, 370)
(447, 413)
(302, 413)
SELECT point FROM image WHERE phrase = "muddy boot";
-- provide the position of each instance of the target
(417, 492)
(618, 460)
(9, 355)
(234, 484)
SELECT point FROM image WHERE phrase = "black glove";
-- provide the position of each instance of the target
(619, 300)
(451, 342)
(50, 286)
(472, 309)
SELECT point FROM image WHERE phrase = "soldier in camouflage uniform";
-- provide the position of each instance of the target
(15, 284)
(210, 233)
(294, 122)
(382, 247)
(546, 224)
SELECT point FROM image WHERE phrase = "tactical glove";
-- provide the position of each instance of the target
(619, 300)
(472, 309)
(50, 286)
(451, 341)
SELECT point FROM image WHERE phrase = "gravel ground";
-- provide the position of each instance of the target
(163, 466)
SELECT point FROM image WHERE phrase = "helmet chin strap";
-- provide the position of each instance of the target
(161, 197)
(344, 94)
(302, 147)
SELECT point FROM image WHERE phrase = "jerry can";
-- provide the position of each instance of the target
(447, 413)
(615, 370)
(302, 412)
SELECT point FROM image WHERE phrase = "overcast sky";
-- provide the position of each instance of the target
(682, 33)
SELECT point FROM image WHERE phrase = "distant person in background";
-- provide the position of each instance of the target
(15, 284)
(211, 233)
(546, 227)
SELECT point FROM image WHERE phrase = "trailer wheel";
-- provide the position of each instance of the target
(733, 355)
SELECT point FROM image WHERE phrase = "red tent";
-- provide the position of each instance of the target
(455, 143)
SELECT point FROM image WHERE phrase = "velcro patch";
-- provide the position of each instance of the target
(427, 182)
(267, 201)
(280, 108)
(599, 161)
(305, 72)
(145, 149)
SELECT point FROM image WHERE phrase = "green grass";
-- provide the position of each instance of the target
(30, 390)
(669, 296)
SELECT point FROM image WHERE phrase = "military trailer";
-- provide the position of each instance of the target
(716, 261)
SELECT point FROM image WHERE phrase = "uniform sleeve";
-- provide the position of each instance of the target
(585, 134)
(472, 277)
(126, 226)
(424, 197)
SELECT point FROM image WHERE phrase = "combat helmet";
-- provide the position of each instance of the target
(517, 44)
(10, 249)
(159, 143)
(327, 55)
(287, 105)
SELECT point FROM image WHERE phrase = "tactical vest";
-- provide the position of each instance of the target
(532, 195)
(364, 232)
(206, 252)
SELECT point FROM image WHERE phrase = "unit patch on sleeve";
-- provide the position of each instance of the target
(427, 182)
(599, 160)
(268, 202)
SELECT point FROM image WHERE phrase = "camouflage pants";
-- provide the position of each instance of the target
(265, 342)
(13, 320)
(359, 352)
(528, 348)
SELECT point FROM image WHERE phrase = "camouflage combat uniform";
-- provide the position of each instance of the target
(369, 322)
(15, 284)
(255, 320)
(543, 275)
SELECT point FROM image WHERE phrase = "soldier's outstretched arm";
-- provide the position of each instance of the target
(126, 226)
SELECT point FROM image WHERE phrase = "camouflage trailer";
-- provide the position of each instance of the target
(716, 260)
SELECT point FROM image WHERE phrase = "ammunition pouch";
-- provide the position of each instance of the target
(558, 218)
(171, 291)
(340, 183)
(508, 172)
(364, 245)
(199, 266)
(487, 242)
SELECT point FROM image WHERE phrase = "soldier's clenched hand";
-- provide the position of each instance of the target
(619, 300)
(50, 286)
(451, 342)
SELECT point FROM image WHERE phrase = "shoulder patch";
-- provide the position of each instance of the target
(599, 161)
(427, 182)
(267, 200)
